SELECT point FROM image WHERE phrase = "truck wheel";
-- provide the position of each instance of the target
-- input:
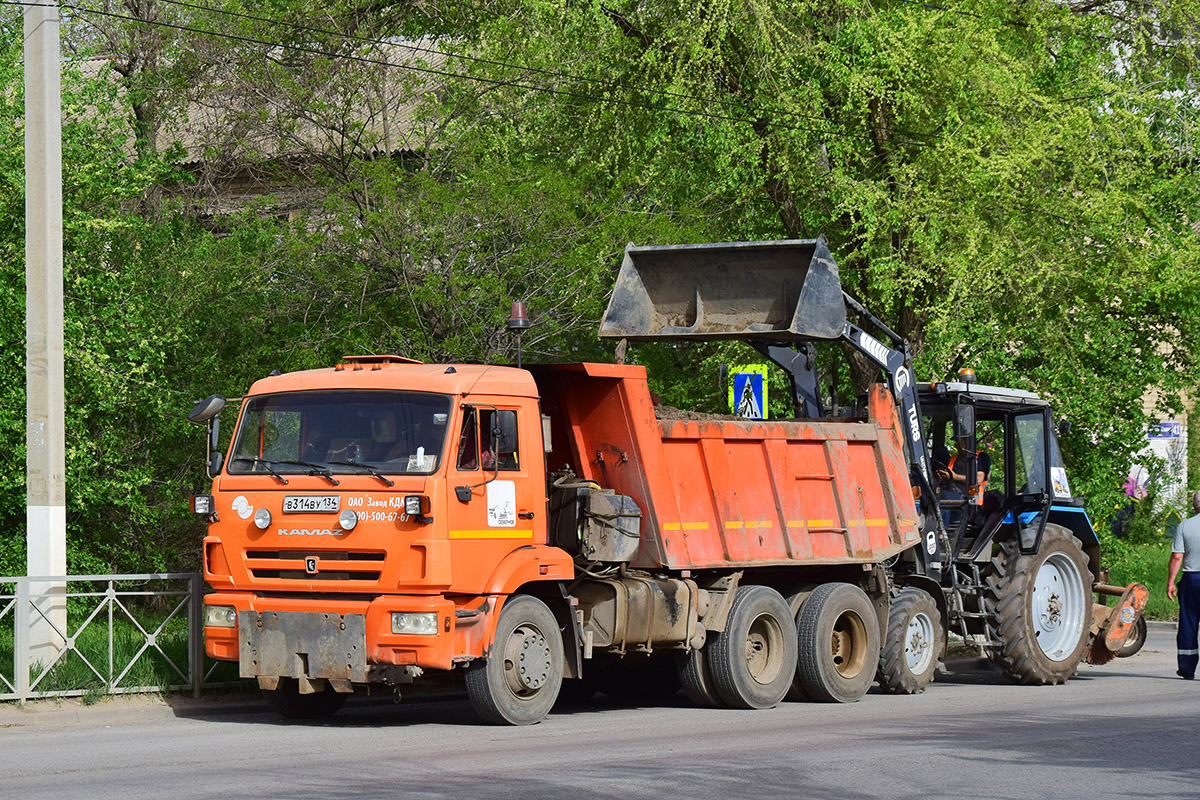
(287, 701)
(697, 680)
(518, 682)
(1039, 607)
(914, 639)
(753, 659)
(839, 643)
(1135, 640)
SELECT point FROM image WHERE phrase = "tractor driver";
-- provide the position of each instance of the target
(953, 475)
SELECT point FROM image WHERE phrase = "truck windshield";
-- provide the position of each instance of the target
(297, 432)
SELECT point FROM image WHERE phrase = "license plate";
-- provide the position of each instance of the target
(312, 504)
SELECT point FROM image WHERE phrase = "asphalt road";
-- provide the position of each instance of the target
(1125, 730)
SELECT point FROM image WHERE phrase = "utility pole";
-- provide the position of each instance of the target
(45, 499)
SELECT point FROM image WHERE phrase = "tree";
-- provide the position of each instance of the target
(1012, 187)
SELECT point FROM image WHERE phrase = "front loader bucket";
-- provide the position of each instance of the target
(773, 291)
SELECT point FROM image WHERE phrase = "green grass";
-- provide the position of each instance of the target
(150, 669)
(1144, 562)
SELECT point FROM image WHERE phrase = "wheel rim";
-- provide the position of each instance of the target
(849, 645)
(918, 643)
(764, 649)
(527, 661)
(1057, 607)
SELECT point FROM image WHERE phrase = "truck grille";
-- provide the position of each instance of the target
(332, 565)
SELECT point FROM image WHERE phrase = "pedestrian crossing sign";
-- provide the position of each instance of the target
(748, 391)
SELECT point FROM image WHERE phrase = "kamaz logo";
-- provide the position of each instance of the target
(307, 532)
(874, 348)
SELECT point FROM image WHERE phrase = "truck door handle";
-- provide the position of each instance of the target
(526, 515)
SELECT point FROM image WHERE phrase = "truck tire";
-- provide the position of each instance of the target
(1039, 608)
(697, 680)
(287, 701)
(753, 659)
(839, 643)
(519, 681)
(915, 637)
(796, 692)
(1135, 640)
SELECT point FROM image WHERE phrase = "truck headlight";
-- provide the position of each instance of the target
(262, 519)
(220, 617)
(348, 519)
(422, 623)
(202, 504)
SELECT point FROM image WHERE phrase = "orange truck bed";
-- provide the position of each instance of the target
(730, 493)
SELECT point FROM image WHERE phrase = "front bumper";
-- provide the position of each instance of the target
(334, 639)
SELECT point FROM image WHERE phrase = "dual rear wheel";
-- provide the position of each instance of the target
(827, 652)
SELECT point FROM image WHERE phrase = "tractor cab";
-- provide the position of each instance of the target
(996, 469)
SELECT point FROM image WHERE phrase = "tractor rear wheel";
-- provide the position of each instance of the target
(915, 638)
(1039, 608)
(839, 643)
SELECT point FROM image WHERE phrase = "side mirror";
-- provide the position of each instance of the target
(206, 409)
(215, 457)
(504, 431)
(964, 422)
(1064, 427)
(206, 412)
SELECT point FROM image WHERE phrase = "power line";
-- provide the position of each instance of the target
(428, 70)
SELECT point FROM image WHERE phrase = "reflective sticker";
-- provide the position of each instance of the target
(1058, 477)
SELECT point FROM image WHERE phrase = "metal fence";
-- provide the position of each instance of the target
(107, 634)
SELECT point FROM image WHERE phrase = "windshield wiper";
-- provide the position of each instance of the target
(376, 473)
(266, 465)
(314, 469)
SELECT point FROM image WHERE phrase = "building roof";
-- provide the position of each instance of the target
(225, 122)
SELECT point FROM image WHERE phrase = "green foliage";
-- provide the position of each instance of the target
(994, 183)
(1193, 452)
(1143, 562)
(1010, 187)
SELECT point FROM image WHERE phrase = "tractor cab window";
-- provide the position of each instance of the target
(1058, 471)
(989, 440)
(1030, 457)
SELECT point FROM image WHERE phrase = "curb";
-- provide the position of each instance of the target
(123, 709)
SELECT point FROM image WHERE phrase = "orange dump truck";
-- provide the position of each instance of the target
(546, 532)
(359, 533)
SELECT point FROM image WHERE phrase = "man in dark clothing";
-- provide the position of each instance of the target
(1185, 555)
